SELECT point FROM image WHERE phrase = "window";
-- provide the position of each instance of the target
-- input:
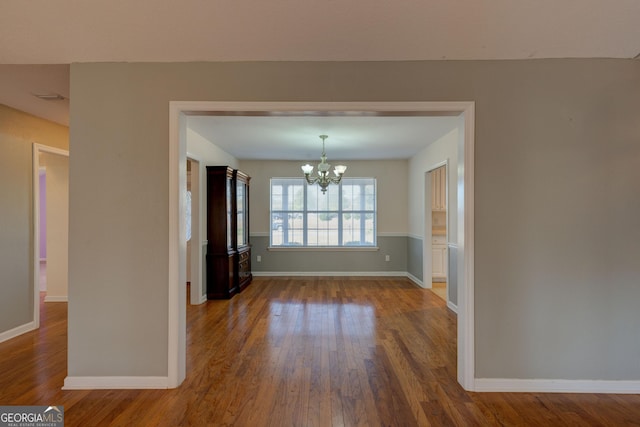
(302, 216)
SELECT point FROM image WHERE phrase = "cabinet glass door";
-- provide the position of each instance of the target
(241, 197)
(229, 214)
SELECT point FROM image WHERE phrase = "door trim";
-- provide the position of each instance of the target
(195, 267)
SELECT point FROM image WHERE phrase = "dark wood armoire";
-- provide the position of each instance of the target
(228, 258)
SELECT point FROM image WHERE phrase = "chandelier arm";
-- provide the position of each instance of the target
(310, 180)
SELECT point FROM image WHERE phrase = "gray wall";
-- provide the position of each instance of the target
(330, 261)
(558, 220)
(18, 132)
(415, 257)
(557, 226)
(452, 274)
(16, 267)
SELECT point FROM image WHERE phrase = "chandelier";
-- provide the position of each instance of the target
(323, 179)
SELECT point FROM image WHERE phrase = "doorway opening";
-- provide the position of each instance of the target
(178, 111)
(194, 251)
(51, 226)
(42, 181)
(437, 209)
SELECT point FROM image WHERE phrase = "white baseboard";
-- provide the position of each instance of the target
(556, 386)
(19, 330)
(98, 383)
(56, 298)
(341, 274)
(452, 307)
(329, 273)
(415, 280)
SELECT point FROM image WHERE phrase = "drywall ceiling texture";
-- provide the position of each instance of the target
(315, 30)
(556, 226)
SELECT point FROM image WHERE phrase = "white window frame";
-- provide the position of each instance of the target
(305, 227)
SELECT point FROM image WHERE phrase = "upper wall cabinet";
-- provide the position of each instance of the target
(439, 189)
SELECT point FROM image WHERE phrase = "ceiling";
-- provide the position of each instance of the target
(19, 84)
(297, 137)
(58, 33)
(67, 31)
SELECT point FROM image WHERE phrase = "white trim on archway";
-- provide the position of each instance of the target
(177, 179)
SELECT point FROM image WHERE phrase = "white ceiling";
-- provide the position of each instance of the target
(66, 31)
(297, 138)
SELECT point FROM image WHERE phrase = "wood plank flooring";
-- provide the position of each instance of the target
(303, 352)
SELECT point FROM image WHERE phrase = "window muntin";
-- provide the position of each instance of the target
(304, 217)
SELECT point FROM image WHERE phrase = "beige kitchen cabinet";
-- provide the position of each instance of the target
(439, 189)
(439, 258)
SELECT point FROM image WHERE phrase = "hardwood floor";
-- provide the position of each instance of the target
(303, 352)
(440, 289)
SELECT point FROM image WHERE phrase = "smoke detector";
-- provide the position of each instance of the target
(49, 96)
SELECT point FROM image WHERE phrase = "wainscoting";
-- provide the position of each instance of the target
(346, 260)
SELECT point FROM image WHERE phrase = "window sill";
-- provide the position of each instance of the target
(323, 248)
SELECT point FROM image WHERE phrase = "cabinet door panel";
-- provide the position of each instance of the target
(437, 262)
